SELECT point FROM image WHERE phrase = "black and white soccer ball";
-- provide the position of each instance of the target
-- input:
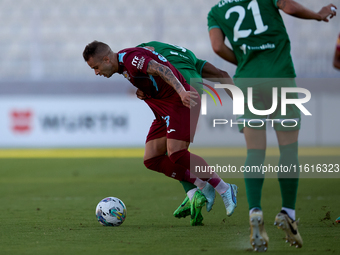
(111, 211)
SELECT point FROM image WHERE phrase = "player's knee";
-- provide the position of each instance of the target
(152, 164)
(175, 156)
(177, 146)
(148, 163)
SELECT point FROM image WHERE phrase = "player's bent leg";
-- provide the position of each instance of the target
(164, 165)
(155, 148)
(184, 158)
(155, 159)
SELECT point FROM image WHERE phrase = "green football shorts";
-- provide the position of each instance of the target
(262, 99)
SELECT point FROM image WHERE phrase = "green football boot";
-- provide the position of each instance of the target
(184, 209)
(198, 201)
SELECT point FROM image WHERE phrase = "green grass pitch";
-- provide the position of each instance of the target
(47, 206)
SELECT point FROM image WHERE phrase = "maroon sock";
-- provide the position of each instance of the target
(163, 164)
(189, 161)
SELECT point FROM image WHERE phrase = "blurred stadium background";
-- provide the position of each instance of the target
(50, 97)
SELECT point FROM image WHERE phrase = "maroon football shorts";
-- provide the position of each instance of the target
(173, 119)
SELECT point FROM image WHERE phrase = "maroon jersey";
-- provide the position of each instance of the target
(133, 63)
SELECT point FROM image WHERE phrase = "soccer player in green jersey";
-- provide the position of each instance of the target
(193, 70)
(261, 50)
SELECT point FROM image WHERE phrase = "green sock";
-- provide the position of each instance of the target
(187, 186)
(289, 182)
(254, 181)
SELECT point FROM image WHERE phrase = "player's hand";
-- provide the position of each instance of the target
(150, 48)
(326, 12)
(188, 97)
(140, 94)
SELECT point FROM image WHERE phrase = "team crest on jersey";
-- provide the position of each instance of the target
(126, 75)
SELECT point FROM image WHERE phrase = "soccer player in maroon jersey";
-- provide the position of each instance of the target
(176, 106)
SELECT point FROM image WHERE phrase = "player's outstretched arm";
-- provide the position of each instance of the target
(298, 10)
(217, 42)
(157, 69)
(210, 72)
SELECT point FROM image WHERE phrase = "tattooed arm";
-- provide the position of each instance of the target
(297, 10)
(157, 69)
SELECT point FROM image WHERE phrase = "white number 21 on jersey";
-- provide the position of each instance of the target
(260, 27)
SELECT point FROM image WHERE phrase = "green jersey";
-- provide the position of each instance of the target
(258, 36)
(179, 57)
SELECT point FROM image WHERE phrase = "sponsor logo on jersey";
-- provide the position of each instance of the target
(246, 47)
(134, 61)
(174, 53)
(141, 63)
(223, 2)
(171, 130)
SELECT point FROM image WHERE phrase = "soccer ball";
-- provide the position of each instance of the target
(111, 211)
